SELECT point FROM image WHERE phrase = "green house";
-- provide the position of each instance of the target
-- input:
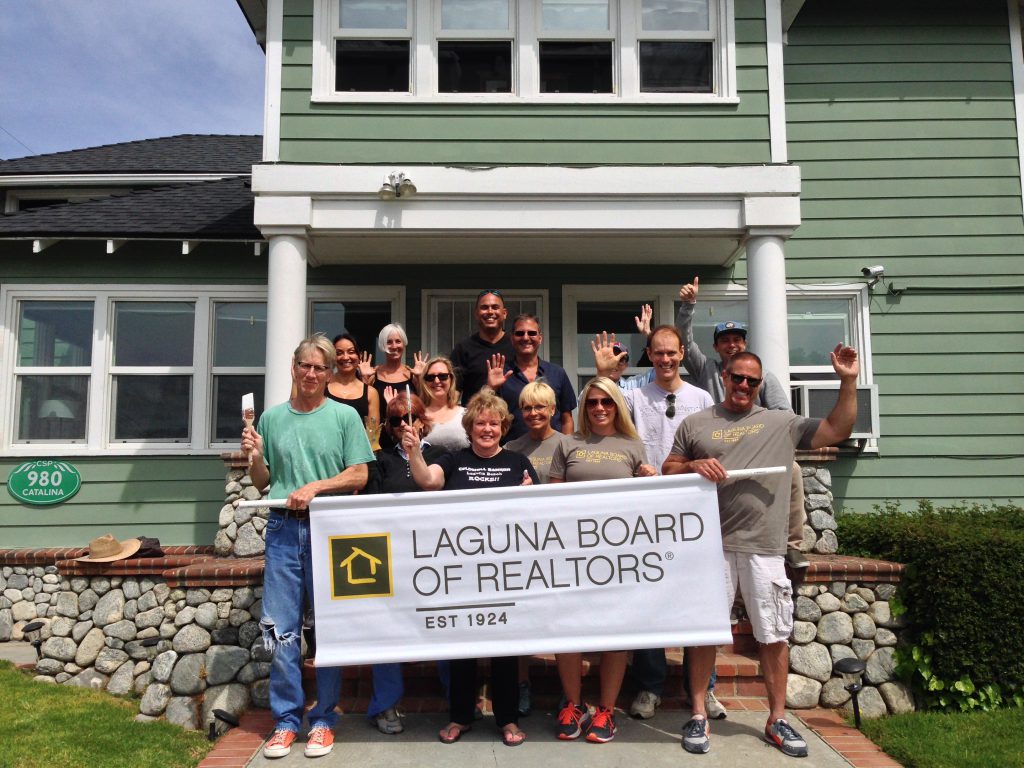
(832, 171)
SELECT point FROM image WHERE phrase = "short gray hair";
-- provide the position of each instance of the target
(320, 343)
(387, 330)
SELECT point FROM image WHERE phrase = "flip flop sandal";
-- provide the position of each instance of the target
(513, 738)
(452, 733)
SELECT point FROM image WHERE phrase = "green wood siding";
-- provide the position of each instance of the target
(177, 499)
(525, 134)
(901, 118)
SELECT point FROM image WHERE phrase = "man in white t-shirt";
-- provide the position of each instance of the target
(657, 409)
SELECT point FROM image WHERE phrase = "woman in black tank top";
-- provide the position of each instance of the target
(346, 387)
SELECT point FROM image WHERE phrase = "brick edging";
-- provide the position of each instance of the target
(851, 744)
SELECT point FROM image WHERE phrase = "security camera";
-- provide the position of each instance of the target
(876, 271)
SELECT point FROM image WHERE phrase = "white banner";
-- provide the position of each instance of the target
(592, 566)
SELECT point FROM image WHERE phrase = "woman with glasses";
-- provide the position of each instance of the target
(345, 385)
(393, 476)
(606, 447)
(537, 404)
(437, 388)
(484, 464)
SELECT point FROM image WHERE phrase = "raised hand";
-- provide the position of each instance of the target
(389, 394)
(605, 359)
(419, 364)
(643, 321)
(496, 373)
(688, 293)
(366, 371)
(845, 362)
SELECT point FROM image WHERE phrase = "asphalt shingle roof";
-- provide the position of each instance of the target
(187, 153)
(202, 210)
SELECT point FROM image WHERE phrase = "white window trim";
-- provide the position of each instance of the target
(663, 299)
(626, 79)
(99, 429)
(431, 295)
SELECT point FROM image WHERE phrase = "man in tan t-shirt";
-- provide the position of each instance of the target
(738, 434)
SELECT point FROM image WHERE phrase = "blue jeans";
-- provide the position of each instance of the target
(287, 582)
(387, 688)
(650, 668)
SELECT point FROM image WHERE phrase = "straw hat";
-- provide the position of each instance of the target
(107, 549)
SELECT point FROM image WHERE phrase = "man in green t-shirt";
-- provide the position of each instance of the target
(738, 434)
(304, 448)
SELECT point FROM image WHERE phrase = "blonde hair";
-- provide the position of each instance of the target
(483, 401)
(453, 392)
(320, 343)
(537, 393)
(623, 423)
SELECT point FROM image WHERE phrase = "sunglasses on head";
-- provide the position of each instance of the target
(605, 402)
(489, 292)
(432, 377)
(738, 378)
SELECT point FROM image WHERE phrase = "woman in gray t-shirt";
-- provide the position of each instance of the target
(606, 447)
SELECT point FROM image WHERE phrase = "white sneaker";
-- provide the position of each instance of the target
(644, 704)
(715, 709)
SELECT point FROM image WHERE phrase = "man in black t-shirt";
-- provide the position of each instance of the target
(472, 354)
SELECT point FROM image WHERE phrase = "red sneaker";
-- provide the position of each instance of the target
(280, 744)
(320, 742)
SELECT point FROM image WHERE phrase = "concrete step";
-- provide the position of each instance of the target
(739, 684)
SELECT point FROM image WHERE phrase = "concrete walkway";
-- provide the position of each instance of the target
(639, 744)
(18, 653)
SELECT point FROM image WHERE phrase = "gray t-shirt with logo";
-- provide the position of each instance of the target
(539, 452)
(754, 511)
(581, 458)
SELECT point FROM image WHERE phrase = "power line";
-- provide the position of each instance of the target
(26, 146)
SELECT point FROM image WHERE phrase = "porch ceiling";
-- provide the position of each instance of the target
(688, 215)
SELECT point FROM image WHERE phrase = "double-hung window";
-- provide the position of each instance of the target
(146, 369)
(575, 51)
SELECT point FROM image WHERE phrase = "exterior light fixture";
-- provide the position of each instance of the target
(221, 722)
(396, 185)
(851, 670)
(32, 631)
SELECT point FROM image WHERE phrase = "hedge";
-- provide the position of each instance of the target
(962, 598)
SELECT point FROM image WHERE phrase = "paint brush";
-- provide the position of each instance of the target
(248, 414)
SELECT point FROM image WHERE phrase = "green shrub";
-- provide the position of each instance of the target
(962, 598)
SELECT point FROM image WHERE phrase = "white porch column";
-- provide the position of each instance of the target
(766, 292)
(286, 313)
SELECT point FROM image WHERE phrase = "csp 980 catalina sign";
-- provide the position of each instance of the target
(507, 571)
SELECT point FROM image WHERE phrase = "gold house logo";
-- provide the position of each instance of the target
(361, 566)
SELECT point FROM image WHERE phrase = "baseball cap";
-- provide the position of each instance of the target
(730, 326)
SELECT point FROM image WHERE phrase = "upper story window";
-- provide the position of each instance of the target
(576, 51)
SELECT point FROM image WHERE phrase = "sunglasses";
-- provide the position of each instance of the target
(489, 292)
(604, 402)
(670, 410)
(739, 379)
(396, 421)
(430, 378)
(531, 334)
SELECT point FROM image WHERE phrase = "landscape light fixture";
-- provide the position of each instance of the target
(397, 184)
(852, 669)
(221, 716)
(32, 632)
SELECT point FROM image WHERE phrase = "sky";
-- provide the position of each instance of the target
(81, 73)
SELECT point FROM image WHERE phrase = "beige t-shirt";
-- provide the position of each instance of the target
(539, 452)
(597, 458)
(754, 511)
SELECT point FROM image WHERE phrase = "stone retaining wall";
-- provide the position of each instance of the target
(158, 628)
